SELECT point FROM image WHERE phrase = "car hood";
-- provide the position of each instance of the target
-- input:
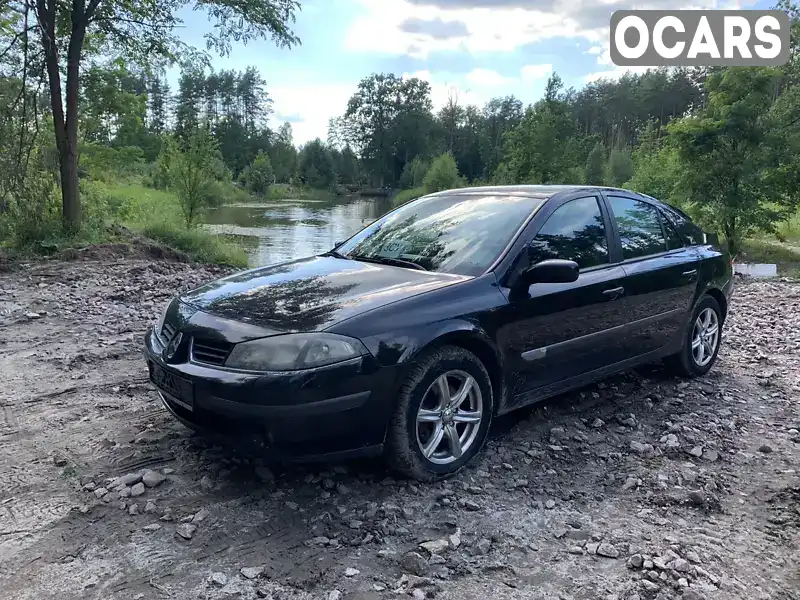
(311, 294)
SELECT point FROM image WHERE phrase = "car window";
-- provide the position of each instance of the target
(449, 233)
(674, 240)
(639, 227)
(575, 231)
(690, 232)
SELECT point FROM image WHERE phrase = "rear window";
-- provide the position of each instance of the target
(690, 232)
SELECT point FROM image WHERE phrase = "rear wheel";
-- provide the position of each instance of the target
(701, 341)
(442, 417)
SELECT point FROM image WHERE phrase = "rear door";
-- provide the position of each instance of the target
(557, 331)
(661, 272)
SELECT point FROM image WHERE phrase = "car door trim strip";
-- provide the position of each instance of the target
(539, 353)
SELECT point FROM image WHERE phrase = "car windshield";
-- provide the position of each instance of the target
(452, 233)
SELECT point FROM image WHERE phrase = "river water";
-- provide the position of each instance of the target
(273, 232)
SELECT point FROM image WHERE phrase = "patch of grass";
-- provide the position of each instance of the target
(157, 214)
(284, 191)
(407, 195)
(760, 250)
(789, 230)
(201, 246)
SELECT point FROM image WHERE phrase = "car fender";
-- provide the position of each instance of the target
(470, 336)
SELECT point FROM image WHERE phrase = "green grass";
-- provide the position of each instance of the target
(761, 250)
(284, 191)
(407, 195)
(156, 214)
(200, 245)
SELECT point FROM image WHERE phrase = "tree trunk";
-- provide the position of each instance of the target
(65, 127)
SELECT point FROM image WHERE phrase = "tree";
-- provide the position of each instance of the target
(157, 100)
(317, 167)
(414, 173)
(284, 155)
(192, 173)
(258, 176)
(596, 165)
(140, 30)
(620, 167)
(443, 174)
(723, 156)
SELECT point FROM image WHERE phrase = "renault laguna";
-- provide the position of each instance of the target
(408, 338)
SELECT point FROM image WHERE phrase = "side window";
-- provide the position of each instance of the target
(639, 227)
(575, 231)
(691, 232)
(674, 240)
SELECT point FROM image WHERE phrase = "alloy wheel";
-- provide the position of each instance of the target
(705, 337)
(449, 417)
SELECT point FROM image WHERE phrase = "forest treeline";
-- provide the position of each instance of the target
(722, 143)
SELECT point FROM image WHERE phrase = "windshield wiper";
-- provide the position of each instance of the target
(336, 254)
(395, 262)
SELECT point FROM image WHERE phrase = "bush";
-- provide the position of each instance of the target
(258, 176)
(407, 195)
(443, 174)
(34, 208)
(414, 173)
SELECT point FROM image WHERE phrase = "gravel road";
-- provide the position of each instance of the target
(640, 487)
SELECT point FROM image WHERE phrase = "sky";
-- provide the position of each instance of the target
(472, 49)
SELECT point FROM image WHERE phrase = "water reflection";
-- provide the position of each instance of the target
(285, 229)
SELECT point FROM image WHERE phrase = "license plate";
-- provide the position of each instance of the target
(178, 388)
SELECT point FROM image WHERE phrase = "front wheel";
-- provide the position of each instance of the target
(443, 414)
(701, 341)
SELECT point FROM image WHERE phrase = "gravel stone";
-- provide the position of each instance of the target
(414, 563)
(137, 490)
(607, 550)
(435, 546)
(153, 478)
(636, 561)
(186, 530)
(251, 572)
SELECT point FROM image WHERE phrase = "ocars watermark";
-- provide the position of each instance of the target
(699, 38)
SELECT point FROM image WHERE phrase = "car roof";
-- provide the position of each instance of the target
(532, 191)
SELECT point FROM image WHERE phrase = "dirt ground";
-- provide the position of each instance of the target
(640, 487)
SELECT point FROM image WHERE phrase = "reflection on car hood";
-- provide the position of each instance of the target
(312, 294)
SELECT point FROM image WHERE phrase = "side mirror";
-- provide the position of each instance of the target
(554, 270)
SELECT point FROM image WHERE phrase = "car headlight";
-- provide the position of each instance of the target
(294, 352)
(159, 324)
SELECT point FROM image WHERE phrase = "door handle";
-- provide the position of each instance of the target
(617, 291)
(689, 273)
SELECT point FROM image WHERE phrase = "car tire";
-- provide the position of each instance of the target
(414, 427)
(685, 363)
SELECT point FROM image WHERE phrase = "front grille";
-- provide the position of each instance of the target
(167, 332)
(210, 352)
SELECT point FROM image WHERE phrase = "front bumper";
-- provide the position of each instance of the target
(335, 411)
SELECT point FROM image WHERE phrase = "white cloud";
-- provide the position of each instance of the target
(443, 89)
(313, 103)
(533, 72)
(483, 26)
(485, 77)
(488, 30)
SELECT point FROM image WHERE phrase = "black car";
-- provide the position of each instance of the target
(406, 339)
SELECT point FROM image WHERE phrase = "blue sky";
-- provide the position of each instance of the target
(475, 49)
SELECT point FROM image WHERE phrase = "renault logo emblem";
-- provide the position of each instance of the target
(173, 346)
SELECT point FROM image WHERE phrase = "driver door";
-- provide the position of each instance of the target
(563, 330)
